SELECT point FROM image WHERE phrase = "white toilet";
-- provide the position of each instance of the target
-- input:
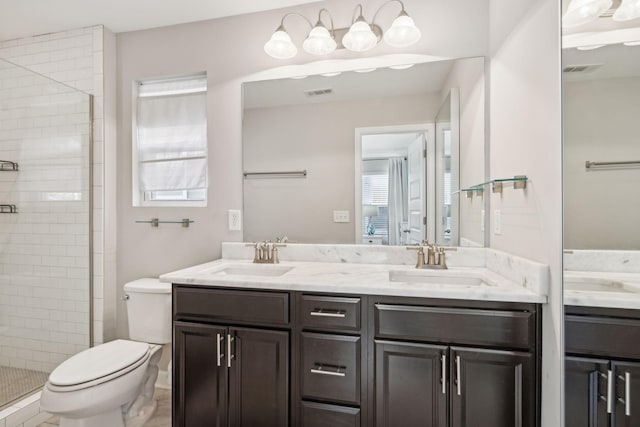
(112, 384)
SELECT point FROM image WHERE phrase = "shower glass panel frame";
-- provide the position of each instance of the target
(46, 247)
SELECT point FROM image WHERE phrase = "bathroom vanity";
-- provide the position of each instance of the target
(349, 344)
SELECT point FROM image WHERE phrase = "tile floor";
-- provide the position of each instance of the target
(162, 417)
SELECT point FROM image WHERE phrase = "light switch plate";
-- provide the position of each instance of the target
(340, 216)
(235, 220)
(497, 222)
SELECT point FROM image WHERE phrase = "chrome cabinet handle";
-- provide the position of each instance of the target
(219, 340)
(322, 313)
(321, 371)
(443, 376)
(229, 355)
(627, 393)
(459, 378)
(609, 392)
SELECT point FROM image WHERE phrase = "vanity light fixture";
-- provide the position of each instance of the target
(628, 10)
(361, 36)
(401, 67)
(592, 47)
(583, 11)
(635, 43)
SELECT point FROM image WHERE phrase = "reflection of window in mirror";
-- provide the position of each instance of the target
(446, 169)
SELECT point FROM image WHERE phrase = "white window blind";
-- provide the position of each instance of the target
(171, 136)
(375, 191)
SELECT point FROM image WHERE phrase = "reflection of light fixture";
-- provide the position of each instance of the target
(365, 70)
(628, 10)
(333, 74)
(359, 37)
(401, 67)
(591, 47)
(635, 43)
(582, 11)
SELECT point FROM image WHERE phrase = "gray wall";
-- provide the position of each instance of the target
(601, 124)
(320, 139)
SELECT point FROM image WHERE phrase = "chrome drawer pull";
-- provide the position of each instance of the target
(443, 377)
(459, 378)
(609, 392)
(627, 393)
(229, 355)
(324, 313)
(219, 355)
(321, 371)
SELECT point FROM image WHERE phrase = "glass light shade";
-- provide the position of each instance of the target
(628, 10)
(319, 41)
(591, 47)
(581, 12)
(402, 33)
(635, 43)
(360, 37)
(280, 46)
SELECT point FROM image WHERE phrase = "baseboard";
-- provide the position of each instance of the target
(163, 380)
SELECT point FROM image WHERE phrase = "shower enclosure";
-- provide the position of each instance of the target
(45, 227)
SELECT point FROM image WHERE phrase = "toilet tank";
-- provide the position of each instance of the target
(149, 310)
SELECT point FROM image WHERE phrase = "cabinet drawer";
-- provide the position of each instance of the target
(463, 326)
(330, 367)
(323, 415)
(222, 305)
(604, 336)
(327, 312)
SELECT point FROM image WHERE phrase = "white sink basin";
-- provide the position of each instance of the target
(595, 284)
(262, 270)
(435, 277)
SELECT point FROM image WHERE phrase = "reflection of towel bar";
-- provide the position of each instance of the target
(589, 165)
(155, 222)
(8, 209)
(289, 174)
(6, 165)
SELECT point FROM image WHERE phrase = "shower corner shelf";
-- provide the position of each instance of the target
(7, 166)
(519, 183)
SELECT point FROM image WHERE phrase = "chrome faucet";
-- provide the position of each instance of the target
(266, 252)
(435, 257)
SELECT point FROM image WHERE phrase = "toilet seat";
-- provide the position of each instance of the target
(99, 364)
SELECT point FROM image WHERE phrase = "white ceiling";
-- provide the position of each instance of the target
(23, 18)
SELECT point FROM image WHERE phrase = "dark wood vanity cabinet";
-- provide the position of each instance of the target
(602, 380)
(230, 375)
(456, 376)
(318, 360)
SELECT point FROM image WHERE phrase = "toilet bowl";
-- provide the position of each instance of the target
(112, 384)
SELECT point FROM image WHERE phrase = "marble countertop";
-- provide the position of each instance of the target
(602, 289)
(479, 283)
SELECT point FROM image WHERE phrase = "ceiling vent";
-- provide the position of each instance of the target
(318, 92)
(581, 68)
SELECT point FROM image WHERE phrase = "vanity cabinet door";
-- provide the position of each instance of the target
(409, 389)
(586, 392)
(200, 397)
(491, 388)
(258, 378)
(627, 393)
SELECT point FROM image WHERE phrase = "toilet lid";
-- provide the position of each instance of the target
(98, 362)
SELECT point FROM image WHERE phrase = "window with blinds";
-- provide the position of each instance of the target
(375, 191)
(170, 142)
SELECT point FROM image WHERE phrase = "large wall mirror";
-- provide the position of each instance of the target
(374, 157)
(601, 107)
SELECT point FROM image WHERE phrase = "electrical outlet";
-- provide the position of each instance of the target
(482, 219)
(497, 222)
(340, 216)
(235, 220)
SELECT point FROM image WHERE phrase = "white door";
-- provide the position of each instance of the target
(416, 189)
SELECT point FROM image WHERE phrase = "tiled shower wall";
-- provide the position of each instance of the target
(76, 58)
(44, 247)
